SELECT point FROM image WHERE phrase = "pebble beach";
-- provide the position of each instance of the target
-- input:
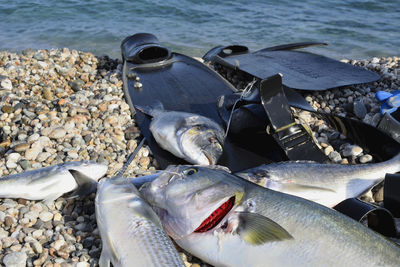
(64, 105)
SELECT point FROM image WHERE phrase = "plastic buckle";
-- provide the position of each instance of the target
(291, 136)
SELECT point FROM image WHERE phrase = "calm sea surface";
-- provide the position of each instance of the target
(353, 29)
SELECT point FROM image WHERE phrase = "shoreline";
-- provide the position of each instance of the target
(62, 105)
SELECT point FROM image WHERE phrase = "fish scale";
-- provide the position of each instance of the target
(137, 238)
(326, 184)
(263, 228)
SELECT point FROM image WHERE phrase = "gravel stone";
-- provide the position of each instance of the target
(46, 216)
(365, 158)
(359, 109)
(15, 259)
(352, 151)
(57, 133)
(6, 84)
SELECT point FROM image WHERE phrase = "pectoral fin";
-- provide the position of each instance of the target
(256, 229)
(50, 198)
(85, 187)
(104, 259)
(108, 252)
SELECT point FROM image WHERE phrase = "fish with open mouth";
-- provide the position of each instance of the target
(194, 138)
(51, 182)
(131, 232)
(228, 221)
(326, 184)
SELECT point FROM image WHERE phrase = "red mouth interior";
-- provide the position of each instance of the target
(216, 216)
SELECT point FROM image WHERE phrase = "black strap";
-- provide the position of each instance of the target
(391, 193)
(378, 219)
(293, 138)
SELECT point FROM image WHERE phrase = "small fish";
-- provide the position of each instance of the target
(52, 182)
(326, 184)
(192, 137)
(131, 232)
(228, 221)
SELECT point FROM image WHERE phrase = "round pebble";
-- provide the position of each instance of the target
(46, 216)
(352, 151)
(15, 259)
(365, 158)
(57, 133)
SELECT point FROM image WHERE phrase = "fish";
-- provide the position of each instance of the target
(131, 233)
(49, 183)
(228, 221)
(326, 184)
(192, 137)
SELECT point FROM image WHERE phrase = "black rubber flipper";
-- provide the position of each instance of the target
(391, 194)
(249, 116)
(390, 124)
(378, 219)
(373, 141)
(146, 49)
(301, 70)
(293, 46)
(180, 83)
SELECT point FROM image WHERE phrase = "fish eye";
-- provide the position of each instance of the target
(190, 171)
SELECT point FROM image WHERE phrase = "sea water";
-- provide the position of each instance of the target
(354, 29)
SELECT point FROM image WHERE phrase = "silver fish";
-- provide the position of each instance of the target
(192, 137)
(228, 221)
(131, 232)
(52, 182)
(326, 184)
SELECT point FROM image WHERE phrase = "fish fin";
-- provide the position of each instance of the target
(86, 185)
(112, 250)
(104, 260)
(151, 110)
(50, 198)
(256, 229)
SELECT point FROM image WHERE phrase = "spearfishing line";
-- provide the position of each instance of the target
(244, 93)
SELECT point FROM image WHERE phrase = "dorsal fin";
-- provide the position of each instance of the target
(85, 184)
(151, 110)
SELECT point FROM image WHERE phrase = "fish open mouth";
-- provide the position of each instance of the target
(215, 217)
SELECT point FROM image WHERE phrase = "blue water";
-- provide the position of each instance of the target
(353, 29)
